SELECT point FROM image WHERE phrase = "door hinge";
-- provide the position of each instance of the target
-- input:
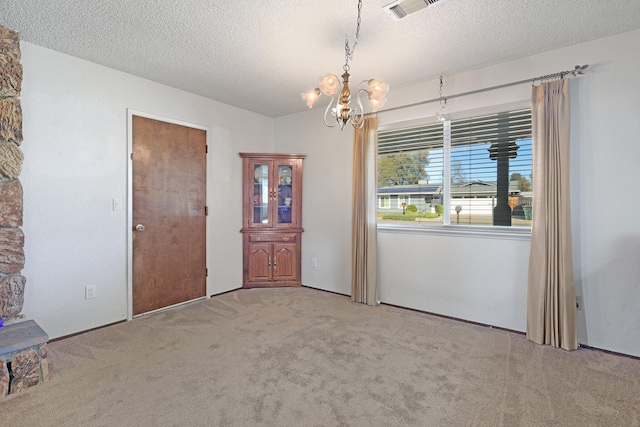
(206, 210)
(206, 148)
(206, 272)
(131, 155)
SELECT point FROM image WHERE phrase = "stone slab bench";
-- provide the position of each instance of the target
(23, 356)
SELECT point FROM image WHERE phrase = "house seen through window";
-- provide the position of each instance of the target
(474, 171)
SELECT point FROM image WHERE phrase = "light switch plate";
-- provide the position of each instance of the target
(89, 292)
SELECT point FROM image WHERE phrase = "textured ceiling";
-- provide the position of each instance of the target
(260, 55)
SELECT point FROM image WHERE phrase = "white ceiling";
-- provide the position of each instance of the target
(260, 55)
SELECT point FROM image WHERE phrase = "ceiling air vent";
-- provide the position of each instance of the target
(403, 8)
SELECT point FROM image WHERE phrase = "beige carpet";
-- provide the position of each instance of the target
(302, 357)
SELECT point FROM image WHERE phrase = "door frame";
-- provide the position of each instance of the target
(208, 221)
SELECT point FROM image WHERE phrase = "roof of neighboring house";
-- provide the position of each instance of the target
(473, 187)
(411, 189)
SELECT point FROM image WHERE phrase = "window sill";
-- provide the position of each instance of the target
(505, 233)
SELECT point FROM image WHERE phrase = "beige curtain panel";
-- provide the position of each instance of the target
(364, 255)
(551, 310)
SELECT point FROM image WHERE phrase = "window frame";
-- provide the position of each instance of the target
(386, 197)
(448, 229)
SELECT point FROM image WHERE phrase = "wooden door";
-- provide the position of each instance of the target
(284, 262)
(169, 246)
(260, 262)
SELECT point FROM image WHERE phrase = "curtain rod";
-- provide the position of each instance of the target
(579, 69)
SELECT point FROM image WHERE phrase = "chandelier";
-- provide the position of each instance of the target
(329, 85)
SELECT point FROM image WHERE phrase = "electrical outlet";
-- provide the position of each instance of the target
(314, 262)
(89, 292)
(579, 302)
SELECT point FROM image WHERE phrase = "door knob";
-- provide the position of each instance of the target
(140, 227)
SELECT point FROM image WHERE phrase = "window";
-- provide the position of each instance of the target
(383, 201)
(474, 171)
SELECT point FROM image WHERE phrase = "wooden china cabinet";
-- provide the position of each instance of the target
(272, 219)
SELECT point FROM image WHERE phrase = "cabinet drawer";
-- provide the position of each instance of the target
(288, 238)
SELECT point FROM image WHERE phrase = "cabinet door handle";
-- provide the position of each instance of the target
(269, 262)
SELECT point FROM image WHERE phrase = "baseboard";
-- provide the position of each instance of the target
(615, 353)
(87, 330)
(225, 292)
(325, 290)
(457, 319)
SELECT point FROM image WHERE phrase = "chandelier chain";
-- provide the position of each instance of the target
(443, 100)
(348, 50)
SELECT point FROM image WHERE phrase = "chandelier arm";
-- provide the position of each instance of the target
(359, 103)
(362, 90)
(326, 112)
(358, 124)
(357, 120)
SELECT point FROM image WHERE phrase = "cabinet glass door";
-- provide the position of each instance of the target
(285, 195)
(260, 194)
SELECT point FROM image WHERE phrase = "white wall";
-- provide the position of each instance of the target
(75, 146)
(484, 279)
(76, 163)
(326, 200)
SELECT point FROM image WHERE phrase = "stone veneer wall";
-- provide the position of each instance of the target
(11, 237)
(26, 364)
